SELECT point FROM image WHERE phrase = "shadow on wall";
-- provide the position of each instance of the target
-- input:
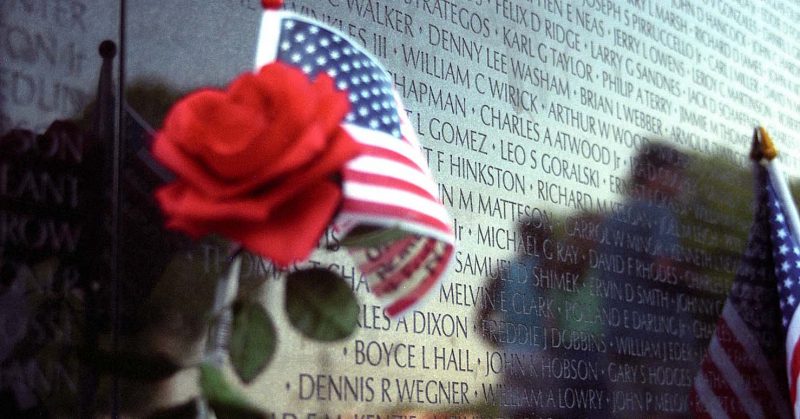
(55, 206)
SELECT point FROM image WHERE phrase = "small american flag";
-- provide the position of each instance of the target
(388, 188)
(744, 371)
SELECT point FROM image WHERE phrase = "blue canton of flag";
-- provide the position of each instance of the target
(317, 50)
(787, 258)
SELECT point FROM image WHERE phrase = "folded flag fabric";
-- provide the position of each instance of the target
(400, 234)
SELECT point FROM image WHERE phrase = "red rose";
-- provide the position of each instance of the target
(257, 163)
(271, 4)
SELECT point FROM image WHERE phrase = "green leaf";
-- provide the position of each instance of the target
(253, 340)
(372, 236)
(320, 304)
(224, 399)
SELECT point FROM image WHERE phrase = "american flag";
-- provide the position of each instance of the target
(785, 232)
(745, 370)
(389, 188)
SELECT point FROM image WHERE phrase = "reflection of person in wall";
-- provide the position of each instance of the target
(640, 232)
(537, 281)
(495, 316)
(647, 360)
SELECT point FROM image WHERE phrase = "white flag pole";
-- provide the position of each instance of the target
(779, 181)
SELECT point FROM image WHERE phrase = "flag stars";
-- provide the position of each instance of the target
(785, 266)
(787, 283)
(779, 218)
(368, 87)
(782, 233)
(791, 300)
(783, 249)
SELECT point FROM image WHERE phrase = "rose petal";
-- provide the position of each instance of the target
(333, 104)
(296, 133)
(216, 132)
(181, 200)
(285, 96)
(182, 118)
(305, 148)
(170, 198)
(186, 203)
(292, 232)
(258, 162)
(187, 168)
(341, 150)
(208, 121)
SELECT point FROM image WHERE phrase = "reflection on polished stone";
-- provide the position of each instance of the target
(593, 155)
(654, 275)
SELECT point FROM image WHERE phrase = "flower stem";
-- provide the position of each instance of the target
(221, 313)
